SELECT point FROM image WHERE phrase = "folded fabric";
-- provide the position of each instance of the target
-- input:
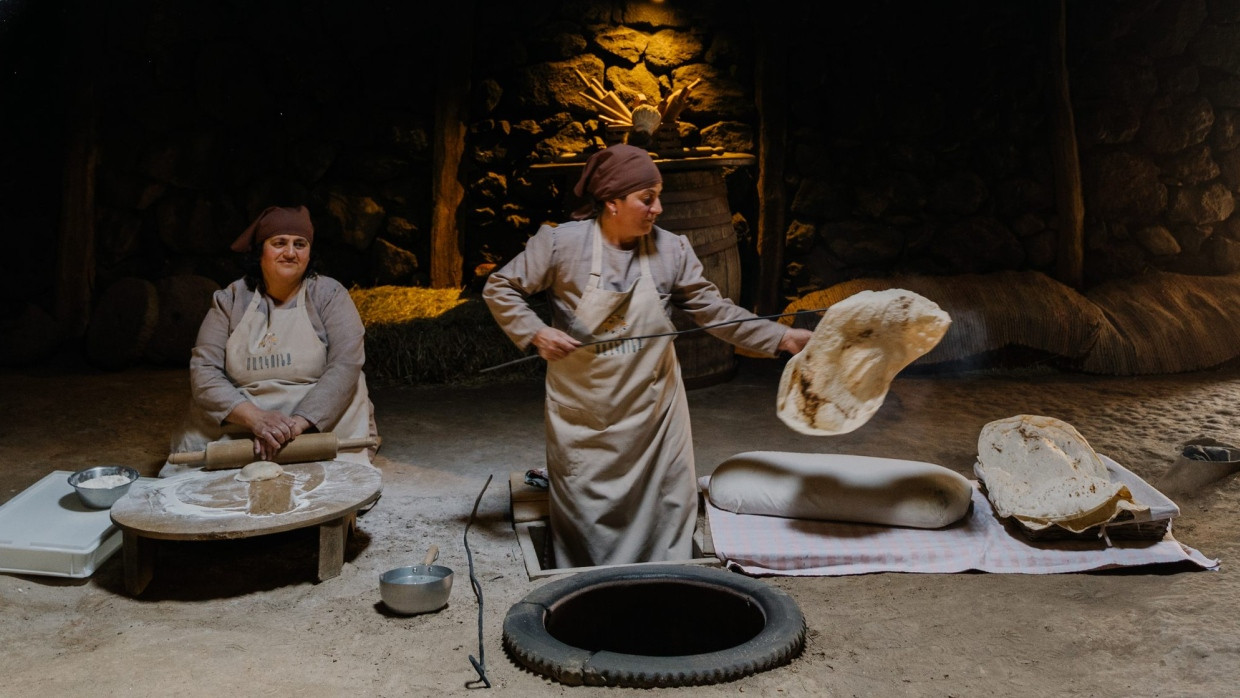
(537, 477)
(769, 545)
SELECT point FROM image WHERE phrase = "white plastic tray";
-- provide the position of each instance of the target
(47, 530)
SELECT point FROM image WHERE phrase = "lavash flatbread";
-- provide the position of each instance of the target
(1043, 472)
(839, 380)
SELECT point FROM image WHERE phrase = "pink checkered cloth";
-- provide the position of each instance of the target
(770, 545)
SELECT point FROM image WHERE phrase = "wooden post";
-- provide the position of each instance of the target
(771, 96)
(333, 537)
(1070, 257)
(75, 257)
(454, 62)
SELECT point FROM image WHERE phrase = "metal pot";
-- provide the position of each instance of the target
(102, 497)
(418, 588)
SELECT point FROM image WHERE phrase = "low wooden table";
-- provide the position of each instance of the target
(211, 505)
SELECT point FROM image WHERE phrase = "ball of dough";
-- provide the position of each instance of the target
(260, 470)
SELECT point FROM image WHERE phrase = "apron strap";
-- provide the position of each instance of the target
(643, 254)
(596, 261)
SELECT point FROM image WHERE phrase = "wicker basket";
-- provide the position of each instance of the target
(1123, 527)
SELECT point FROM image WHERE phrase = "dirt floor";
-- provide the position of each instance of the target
(245, 617)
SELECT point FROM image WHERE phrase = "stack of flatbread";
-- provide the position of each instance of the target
(1043, 473)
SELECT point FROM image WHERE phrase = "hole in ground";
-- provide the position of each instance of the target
(660, 619)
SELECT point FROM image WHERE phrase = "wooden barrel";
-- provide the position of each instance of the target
(695, 204)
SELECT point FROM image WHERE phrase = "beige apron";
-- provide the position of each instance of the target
(275, 359)
(619, 447)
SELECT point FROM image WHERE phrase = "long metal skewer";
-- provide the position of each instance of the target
(703, 328)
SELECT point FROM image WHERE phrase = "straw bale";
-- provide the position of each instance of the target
(989, 312)
(1165, 323)
(420, 335)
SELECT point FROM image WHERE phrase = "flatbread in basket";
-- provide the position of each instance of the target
(1042, 472)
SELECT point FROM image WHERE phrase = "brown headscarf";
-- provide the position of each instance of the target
(276, 220)
(613, 173)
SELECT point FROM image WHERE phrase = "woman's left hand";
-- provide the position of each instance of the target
(271, 429)
(794, 340)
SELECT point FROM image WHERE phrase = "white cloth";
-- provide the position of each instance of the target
(770, 545)
(619, 447)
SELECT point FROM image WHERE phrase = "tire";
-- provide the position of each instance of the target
(531, 644)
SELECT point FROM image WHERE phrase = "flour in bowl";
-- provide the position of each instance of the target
(104, 482)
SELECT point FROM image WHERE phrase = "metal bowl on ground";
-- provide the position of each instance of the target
(102, 497)
(417, 588)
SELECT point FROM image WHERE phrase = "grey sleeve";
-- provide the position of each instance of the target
(508, 289)
(213, 391)
(346, 352)
(700, 299)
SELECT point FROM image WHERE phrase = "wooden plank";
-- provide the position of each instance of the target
(526, 502)
(1069, 200)
(455, 56)
(532, 536)
(693, 162)
(771, 97)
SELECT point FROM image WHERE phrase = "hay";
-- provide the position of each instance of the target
(1157, 323)
(1166, 323)
(419, 335)
(990, 313)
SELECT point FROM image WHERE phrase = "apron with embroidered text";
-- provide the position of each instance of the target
(619, 446)
(276, 359)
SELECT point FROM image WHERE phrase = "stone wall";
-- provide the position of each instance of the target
(1157, 94)
(918, 132)
(528, 109)
(216, 110)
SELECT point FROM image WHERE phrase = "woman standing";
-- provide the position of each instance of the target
(619, 444)
(280, 352)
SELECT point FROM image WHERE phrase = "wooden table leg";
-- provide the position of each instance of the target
(332, 538)
(139, 558)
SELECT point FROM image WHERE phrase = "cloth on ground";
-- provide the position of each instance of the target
(770, 545)
(537, 477)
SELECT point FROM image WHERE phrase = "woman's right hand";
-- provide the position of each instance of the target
(271, 429)
(553, 344)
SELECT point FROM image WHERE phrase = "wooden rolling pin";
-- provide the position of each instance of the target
(221, 455)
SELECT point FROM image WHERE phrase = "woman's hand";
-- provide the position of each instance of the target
(271, 429)
(794, 340)
(553, 345)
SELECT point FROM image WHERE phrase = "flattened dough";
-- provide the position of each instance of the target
(260, 470)
(841, 377)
